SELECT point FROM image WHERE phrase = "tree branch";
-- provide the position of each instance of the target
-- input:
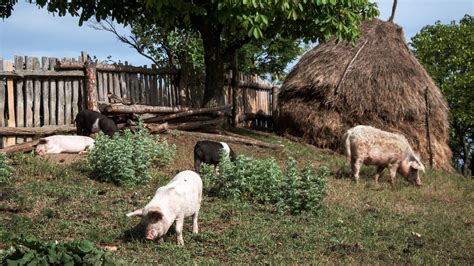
(109, 26)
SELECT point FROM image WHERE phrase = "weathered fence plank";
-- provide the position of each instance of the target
(100, 87)
(68, 99)
(36, 95)
(75, 99)
(3, 102)
(52, 95)
(20, 98)
(29, 96)
(61, 102)
(45, 92)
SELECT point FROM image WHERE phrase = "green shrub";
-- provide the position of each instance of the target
(126, 159)
(302, 191)
(6, 170)
(31, 251)
(262, 181)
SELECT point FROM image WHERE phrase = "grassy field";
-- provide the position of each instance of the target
(364, 223)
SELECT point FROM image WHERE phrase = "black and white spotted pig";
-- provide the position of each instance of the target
(207, 151)
(88, 122)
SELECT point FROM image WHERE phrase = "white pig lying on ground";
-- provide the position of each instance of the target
(372, 146)
(180, 198)
(64, 144)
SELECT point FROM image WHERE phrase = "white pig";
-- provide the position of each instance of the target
(64, 144)
(180, 198)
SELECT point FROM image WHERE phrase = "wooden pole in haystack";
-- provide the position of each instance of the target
(427, 121)
(394, 7)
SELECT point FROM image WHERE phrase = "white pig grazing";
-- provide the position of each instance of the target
(180, 198)
(372, 146)
(64, 144)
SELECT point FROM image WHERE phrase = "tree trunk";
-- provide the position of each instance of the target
(472, 165)
(213, 59)
(235, 89)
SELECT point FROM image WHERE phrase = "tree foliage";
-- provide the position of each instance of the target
(225, 26)
(447, 53)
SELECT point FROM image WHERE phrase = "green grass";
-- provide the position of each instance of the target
(361, 223)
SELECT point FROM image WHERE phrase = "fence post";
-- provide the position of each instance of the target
(235, 89)
(11, 106)
(90, 73)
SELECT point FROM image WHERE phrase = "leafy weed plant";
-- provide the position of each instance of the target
(126, 159)
(31, 251)
(6, 170)
(262, 181)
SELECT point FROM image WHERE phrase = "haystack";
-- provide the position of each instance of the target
(377, 82)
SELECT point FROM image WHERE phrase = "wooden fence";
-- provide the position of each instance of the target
(50, 92)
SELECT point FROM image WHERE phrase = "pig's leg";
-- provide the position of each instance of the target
(197, 165)
(195, 222)
(356, 164)
(377, 174)
(393, 172)
(179, 231)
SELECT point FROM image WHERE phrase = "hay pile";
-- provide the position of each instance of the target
(377, 82)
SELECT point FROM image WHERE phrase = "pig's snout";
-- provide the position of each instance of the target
(151, 235)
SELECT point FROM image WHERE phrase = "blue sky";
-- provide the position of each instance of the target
(35, 32)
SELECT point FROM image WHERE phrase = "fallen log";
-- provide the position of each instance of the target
(31, 131)
(152, 128)
(240, 140)
(197, 125)
(141, 109)
(23, 147)
(211, 110)
(191, 119)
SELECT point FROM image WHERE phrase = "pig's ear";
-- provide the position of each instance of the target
(155, 213)
(138, 212)
(43, 141)
(417, 165)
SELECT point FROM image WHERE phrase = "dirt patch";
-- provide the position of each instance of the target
(65, 158)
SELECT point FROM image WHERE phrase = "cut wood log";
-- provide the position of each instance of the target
(152, 128)
(144, 116)
(32, 131)
(23, 147)
(240, 140)
(197, 125)
(211, 110)
(124, 101)
(141, 109)
(157, 128)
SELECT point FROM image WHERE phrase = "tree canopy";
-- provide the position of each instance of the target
(447, 53)
(227, 25)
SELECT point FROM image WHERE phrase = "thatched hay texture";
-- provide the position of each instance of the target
(377, 82)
